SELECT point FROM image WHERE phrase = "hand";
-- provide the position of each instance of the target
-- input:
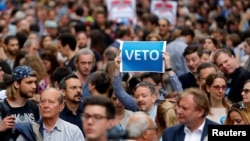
(167, 60)
(117, 61)
(211, 57)
(7, 123)
(241, 46)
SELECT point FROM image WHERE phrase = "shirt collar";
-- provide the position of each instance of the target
(200, 128)
(57, 126)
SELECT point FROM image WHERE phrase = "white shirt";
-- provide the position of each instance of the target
(218, 115)
(195, 135)
(3, 94)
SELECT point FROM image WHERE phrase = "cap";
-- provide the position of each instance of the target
(21, 72)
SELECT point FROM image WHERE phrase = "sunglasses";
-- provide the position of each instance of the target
(217, 87)
(238, 105)
(245, 91)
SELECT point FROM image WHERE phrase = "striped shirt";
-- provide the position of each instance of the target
(63, 131)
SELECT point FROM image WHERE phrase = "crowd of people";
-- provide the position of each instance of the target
(60, 75)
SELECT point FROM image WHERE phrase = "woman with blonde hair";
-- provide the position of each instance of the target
(153, 37)
(238, 114)
(165, 117)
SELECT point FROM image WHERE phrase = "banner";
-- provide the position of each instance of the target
(122, 10)
(142, 56)
(164, 9)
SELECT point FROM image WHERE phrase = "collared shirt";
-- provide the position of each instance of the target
(175, 50)
(124, 120)
(195, 135)
(63, 131)
(152, 113)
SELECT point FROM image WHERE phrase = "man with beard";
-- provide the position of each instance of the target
(16, 108)
(71, 88)
(11, 49)
(82, 40)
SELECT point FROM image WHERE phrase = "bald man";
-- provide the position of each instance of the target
(141, 127)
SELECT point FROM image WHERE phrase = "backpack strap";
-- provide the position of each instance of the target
(5, 111)
(4, 108)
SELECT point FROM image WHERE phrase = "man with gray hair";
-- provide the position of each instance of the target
(140, 127)
(51, 126)
(84, 63)
(31, 46)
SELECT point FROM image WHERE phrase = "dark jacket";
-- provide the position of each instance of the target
(188, 80)
(235, 83)
(176, 133)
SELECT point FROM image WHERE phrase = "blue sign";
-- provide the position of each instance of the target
(142, 56)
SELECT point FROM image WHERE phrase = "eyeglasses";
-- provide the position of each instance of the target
(217, 87)
(74, 87)
(238, 105)
(94, 117)
(245, 91)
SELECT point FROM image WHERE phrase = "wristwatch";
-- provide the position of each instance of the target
(168, 69)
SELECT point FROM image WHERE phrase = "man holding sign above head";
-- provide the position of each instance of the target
(144, 102)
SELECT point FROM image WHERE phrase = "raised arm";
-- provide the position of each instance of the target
(173, 79)
(127, 100)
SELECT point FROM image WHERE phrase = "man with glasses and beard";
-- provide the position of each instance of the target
(71, 88)
(16, 108)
